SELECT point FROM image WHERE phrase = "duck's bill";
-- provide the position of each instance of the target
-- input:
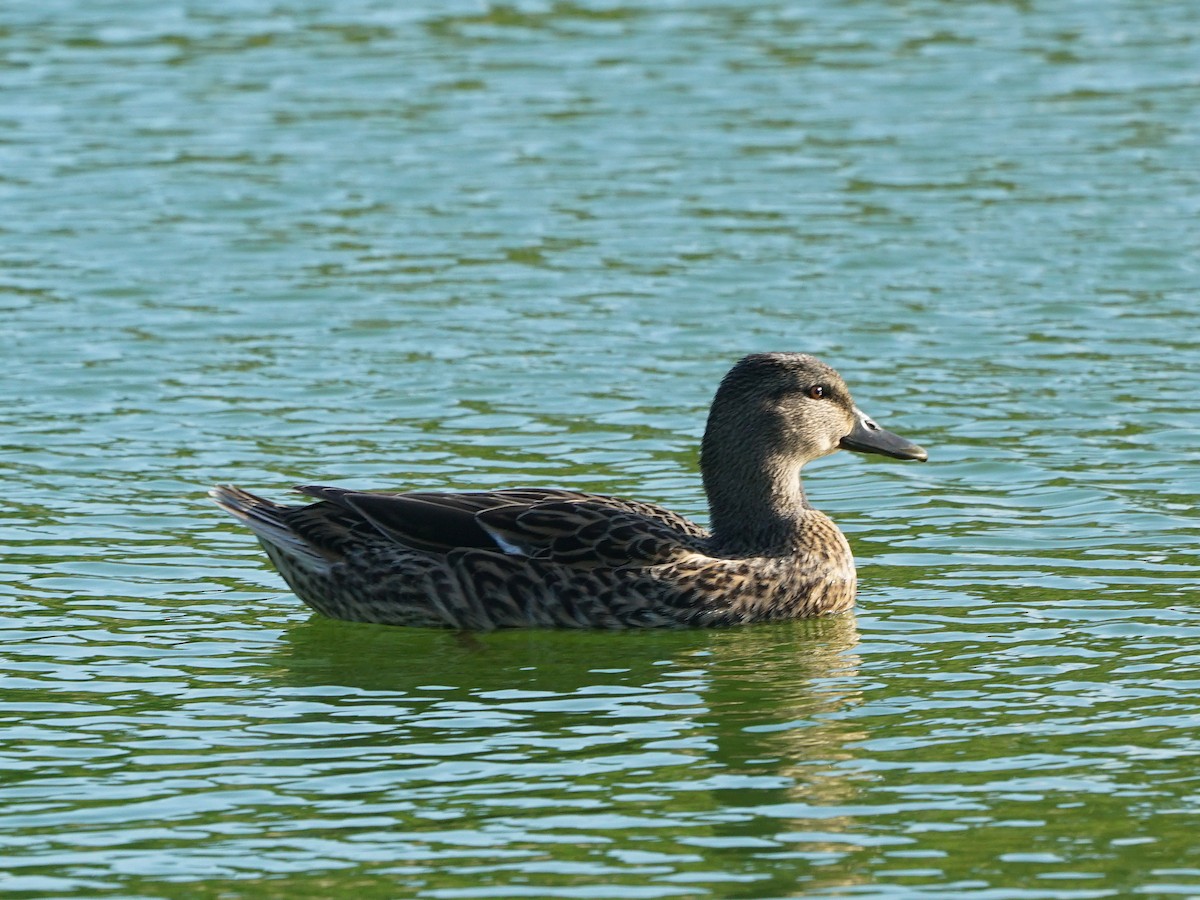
(867, 437)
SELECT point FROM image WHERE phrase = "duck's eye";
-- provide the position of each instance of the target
(818, 392)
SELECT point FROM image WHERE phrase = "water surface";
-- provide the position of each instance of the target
(465, 244)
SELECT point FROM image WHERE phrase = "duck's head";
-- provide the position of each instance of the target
(794, 406)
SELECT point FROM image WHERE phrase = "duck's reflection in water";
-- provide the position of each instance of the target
(721, 741)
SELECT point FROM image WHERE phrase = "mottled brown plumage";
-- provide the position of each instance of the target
(532, 557)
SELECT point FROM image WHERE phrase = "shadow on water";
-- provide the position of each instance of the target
(776, 660)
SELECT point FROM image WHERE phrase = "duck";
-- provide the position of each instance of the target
(558, 558)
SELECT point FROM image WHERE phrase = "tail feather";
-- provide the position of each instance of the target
(267, 520)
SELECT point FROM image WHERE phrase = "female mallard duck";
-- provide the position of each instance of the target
(558, 558)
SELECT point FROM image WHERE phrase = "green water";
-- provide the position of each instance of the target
(469, 244)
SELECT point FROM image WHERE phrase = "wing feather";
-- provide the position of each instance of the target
(568, 527)
(586, 534)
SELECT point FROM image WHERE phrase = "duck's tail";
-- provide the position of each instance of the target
(268, 521)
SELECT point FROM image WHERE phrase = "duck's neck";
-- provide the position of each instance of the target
(756, 505)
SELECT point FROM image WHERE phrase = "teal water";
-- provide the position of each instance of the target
(469, 244)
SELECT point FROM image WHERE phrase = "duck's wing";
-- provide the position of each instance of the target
(438, 522)
(588, 534)
(569, 527)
